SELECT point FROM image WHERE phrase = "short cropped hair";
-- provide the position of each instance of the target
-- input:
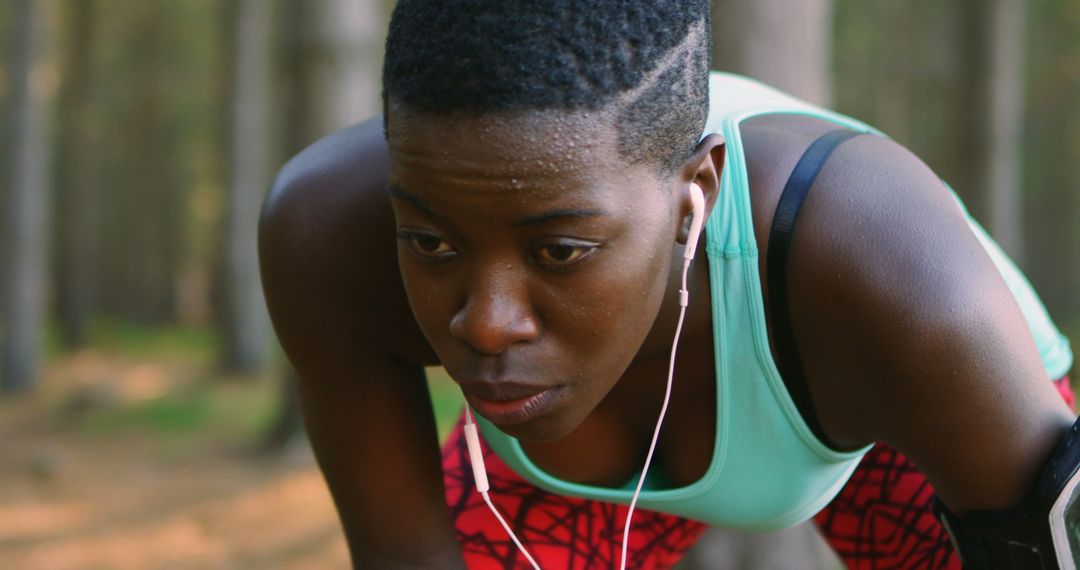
(647, 60)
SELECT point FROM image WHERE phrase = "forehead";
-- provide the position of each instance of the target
(522, 145)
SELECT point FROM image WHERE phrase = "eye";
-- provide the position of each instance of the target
(563, 253)
(427, 245)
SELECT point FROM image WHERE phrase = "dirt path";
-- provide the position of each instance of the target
(156, 489)
(133, 500)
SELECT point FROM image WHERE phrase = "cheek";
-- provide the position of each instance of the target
(427, 296)
(609, 312)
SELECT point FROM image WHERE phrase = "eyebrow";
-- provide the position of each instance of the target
(543, 217)
(397, 192)
(560, 214)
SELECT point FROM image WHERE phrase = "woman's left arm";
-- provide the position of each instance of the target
(909, 335)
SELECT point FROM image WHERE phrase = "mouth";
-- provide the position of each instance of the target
(514, 407)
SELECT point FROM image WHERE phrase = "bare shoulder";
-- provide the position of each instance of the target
(907, 332)
(328, 252)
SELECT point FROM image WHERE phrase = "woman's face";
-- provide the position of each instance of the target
(534, 258)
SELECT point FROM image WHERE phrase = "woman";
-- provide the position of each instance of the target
(535, 165)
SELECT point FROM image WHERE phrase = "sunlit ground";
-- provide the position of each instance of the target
(135, 454)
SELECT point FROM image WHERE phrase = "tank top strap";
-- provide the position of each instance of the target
(780, 237)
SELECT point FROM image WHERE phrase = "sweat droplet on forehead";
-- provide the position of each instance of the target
(538, 160)
(546, 140)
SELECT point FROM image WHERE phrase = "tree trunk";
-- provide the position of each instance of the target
(894, 70)
(336, 62)
(288, 423)
(32, 83)
(989, 108)
(146, 228)
(1051, 191)
(333, 75)
(785, 44)
(75, 208)
(1005, 146)
(245, 321)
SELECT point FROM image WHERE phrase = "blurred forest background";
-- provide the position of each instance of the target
(148, 416)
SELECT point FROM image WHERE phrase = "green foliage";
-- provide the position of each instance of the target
(160, 416)
(210, 411)
(141, 341)
(213, 410)
(446, 400)
(183, 401)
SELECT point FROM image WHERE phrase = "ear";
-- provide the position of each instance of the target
(702, 168)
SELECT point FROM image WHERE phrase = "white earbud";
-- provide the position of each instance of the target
(697, 197)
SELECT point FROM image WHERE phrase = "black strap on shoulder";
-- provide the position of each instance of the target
(783, 227)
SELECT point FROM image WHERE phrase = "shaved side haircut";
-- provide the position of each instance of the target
(645, 62)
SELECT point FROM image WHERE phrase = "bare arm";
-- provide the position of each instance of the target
(329, 269)
(910, 336)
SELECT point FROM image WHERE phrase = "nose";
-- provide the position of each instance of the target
(496, 314)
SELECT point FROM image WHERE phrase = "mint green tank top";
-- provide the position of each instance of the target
(768, 470)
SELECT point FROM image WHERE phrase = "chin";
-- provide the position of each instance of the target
(540, 430)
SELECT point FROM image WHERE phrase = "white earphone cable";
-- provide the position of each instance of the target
(683, 301)
(513, 537)
(480, 474)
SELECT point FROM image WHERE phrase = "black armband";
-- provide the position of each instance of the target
(1043, 531)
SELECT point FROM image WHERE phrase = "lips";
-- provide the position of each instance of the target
(501, 391)
(510, 404)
